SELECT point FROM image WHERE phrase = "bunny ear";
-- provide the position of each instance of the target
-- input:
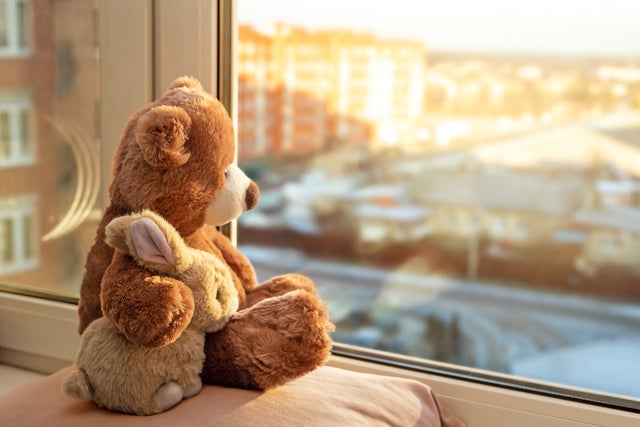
(150, 242)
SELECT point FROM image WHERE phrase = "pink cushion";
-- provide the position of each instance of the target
(326, 397)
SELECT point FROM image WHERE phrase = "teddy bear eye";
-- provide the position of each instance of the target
(226, 173)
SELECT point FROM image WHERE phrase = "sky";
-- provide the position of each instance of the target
(575, 27)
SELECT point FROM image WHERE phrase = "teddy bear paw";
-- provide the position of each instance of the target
(270, 343)
(292, 314)
(279, 285)
(163, 322)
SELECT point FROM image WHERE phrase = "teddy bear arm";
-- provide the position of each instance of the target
(233, 257)
(149, 310)
(89, 302)
(99, 257)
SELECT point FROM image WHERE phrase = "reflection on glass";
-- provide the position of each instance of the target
(5, 147)
(27, 236)
(6, 227)
(456, 192)
(15, 27)
(48, 143)
(25, 133)
(3, 24)
(22, 18)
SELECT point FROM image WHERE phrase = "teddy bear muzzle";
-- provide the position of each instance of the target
(252, 196)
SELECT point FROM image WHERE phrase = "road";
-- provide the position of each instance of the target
(499, 324)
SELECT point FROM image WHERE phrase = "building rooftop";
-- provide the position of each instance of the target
(502, 189)
(618, 217)
(571, 145)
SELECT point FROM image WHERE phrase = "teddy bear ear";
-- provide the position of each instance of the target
(161, 135)
(185, 81)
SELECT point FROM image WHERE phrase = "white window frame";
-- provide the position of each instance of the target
(14, 107)
(14, 28)
(19, 210)
(42, 334)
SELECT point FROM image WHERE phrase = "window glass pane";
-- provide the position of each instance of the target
(3, 23)
(27, 236)
(6, 233)
(49, 150)
(459, 178)
(25, 133)
(15, 26)
(22, 22)
(5, 142)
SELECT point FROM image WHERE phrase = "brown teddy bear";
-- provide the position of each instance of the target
(122, 376)
(176, 159)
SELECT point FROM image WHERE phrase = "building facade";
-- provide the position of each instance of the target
(302, 91)
(48, 102)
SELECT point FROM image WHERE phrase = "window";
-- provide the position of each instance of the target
(16, 132)
(69, 121)
(136, 60)
(17, 235)
(49, 142)
(15, 27)
(62, 110)
(469, 177)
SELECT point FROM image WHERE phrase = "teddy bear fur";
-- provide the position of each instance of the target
(127, 377)
(174, 158)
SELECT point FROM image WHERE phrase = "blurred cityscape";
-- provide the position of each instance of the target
(521, 170)
(303, 92)
(430, 195)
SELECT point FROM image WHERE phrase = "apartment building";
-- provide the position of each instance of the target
(256, 93)
(300, 91)
(48, 96)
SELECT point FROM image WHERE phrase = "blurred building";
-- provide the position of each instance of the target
(256, 93)
(378, 82)
(300, 91)
(48, 100)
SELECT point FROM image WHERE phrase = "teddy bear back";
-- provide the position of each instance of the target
(173, 155)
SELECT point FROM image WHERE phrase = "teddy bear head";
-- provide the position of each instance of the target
(176, 159)
(157, 246)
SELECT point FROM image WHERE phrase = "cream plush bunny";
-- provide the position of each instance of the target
(123, 376)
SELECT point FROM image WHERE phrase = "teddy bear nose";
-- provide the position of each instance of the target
(251, 196)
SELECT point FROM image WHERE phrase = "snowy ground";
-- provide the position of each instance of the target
(611, 366)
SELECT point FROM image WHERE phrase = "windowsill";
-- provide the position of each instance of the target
(497, 406)
(37, 334)
(12, 377)
(15, 53)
